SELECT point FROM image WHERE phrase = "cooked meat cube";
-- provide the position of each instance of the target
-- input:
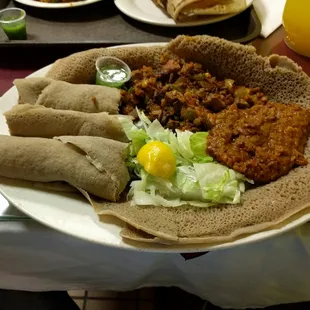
(215, 103)
(171, 66)
(242, 104)
(190, 69)
(172, 96)
(172, 124)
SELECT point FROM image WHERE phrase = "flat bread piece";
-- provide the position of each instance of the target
(130, 233)
(161, 3)
(65, 96)
(37, 121)
(58, 186)
(189, 9)
(92, 163)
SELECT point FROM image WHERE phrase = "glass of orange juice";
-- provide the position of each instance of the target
(296, 22)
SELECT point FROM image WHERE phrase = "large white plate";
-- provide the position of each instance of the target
(46, 5)
(73, 215)
(147, 12)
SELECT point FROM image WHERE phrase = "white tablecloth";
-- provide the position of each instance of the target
(273, 271)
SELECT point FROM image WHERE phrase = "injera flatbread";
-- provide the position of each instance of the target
(85, 69)
(58, 186)
(262, 207)
(65, 96)
(131, 233)
(92, 163)
(184, 9)
(29, 120)
(161, 3)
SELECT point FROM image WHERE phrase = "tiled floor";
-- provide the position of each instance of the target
(143, 299)
(106, 300)
(152, 299)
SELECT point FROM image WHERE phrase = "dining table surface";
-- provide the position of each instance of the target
(37, 258)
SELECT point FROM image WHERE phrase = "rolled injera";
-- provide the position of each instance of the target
(94, 164)
(28, 120)
(65, 96)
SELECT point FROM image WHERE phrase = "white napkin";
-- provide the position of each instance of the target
(270, 14)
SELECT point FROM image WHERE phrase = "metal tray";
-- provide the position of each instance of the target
(101, 24)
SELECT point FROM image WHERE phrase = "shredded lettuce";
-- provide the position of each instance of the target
(219, 183)
(145, 122)
(198, 181)
(156, 191)
(137, 137)
(198, 144)
(157, 132)
(183, 144)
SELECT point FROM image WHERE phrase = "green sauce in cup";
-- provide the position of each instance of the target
(15, 31)
(13, 23)
(112, 72)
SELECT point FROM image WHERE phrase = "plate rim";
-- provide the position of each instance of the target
(46, 5)
(172, 23)
(146, 247)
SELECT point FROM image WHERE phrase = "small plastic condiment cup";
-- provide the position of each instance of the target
(13, 23)
(112, 72)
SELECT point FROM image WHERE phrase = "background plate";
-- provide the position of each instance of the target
(46, 5)
(146, 11)
(73, 215)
